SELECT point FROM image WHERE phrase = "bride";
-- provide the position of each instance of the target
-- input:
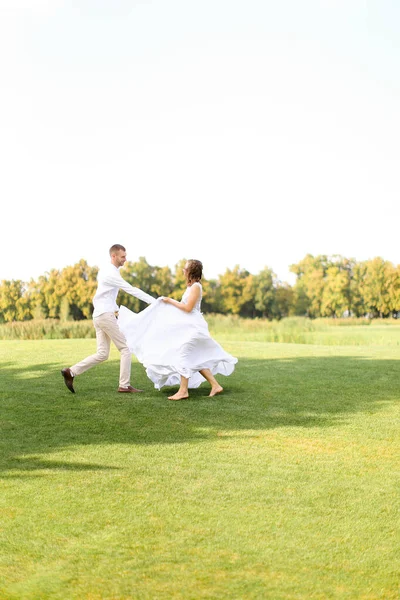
(172, 341)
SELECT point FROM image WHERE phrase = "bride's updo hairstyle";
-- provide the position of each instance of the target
(194, 270)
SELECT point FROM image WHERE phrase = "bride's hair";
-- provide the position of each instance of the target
(194, 271)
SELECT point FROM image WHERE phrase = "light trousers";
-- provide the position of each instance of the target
(107, 330)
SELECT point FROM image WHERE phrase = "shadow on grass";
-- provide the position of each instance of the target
(38, 415)
(36, 463)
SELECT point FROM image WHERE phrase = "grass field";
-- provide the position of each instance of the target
(284, 487)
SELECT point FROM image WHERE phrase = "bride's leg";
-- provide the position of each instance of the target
(215, 387)
(183, 392)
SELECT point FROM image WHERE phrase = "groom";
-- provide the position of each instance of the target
(105, 322)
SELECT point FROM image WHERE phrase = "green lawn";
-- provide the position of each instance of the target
(284, 487)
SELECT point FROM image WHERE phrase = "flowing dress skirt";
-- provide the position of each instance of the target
(170, 342)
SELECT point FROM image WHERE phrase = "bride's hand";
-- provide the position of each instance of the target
(166, 300)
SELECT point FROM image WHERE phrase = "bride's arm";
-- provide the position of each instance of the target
(191, 301)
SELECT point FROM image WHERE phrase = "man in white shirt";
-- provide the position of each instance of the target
(105, 322)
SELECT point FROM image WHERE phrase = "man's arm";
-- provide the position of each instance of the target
(118, 281)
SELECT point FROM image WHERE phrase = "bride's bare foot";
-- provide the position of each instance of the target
(179, 396)
(216, 389)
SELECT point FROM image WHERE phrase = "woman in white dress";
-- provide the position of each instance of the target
(172, 341)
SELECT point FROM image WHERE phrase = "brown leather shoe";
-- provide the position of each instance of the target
(68, 379)
(128, 390)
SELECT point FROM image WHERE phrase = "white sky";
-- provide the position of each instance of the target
(245, 132)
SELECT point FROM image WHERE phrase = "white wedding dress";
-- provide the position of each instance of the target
(170, 342)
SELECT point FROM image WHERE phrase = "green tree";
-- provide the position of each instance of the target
(76, 286)
(394, 290)
(248, 308)
(357, 305)
(264, 293)
(46, 299)
(380, 287)
(14, 301)
(336, 296)
(237, 291)
(140, 274)
(163, 283)
(212, 298)
(284, 299)
(179, 279)
(65, 310)
(310, 281)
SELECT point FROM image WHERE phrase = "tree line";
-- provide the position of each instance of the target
(325, 286)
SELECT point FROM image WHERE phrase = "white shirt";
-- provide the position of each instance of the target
(109, 282)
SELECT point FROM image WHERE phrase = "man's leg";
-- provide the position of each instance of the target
(103, 351)
(126, 357)
(110, 327)
(107, 329)
(103, 348)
